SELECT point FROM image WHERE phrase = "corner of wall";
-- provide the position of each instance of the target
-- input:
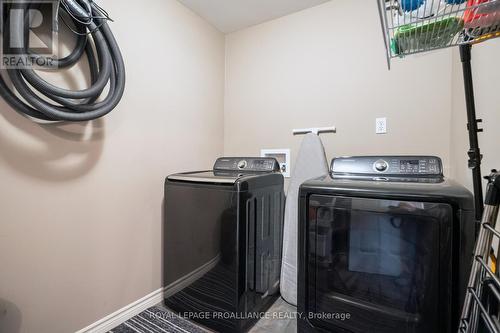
(224, 99)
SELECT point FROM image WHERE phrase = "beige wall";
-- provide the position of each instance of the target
(80, 205)
(326, 66)
(80, 209)
(486, 76)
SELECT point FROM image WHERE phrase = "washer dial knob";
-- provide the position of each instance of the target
(381, 166)
(242, 164)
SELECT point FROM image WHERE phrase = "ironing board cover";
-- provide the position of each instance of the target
(311, 163)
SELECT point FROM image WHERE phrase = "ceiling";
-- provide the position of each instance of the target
(232, 15)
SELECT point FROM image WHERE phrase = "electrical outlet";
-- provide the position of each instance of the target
(381, 126)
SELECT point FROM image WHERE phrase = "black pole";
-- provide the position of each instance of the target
(475, 156)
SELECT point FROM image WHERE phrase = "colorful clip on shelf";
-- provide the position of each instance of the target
(482, 18)
(415, 37)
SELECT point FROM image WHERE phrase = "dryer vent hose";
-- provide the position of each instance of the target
(40, 99)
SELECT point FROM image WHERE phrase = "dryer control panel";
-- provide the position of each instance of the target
(251, 164)
(397, 166)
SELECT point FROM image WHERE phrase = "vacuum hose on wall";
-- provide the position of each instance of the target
(45, 101)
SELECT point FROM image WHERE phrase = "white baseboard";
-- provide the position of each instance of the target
(118, 317)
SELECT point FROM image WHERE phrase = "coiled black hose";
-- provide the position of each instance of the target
(96, 40)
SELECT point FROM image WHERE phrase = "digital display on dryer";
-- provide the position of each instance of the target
(409, 162)
(409, 166)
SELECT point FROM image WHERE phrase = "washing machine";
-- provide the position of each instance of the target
(223, 242)
(385, 246)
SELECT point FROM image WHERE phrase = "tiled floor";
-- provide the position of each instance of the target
(280, 319)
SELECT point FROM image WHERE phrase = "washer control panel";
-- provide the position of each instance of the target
(252, 164)
(400, 166)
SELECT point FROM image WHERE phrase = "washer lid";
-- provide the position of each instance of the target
(443, 191)
(214, 177)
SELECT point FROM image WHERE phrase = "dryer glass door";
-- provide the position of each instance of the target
(378, 266)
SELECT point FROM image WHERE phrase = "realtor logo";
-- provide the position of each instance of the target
(30, 33)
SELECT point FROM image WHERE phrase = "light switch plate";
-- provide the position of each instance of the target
(283, 158)
(381, 126)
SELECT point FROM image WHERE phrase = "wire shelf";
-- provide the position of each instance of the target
(415, 26)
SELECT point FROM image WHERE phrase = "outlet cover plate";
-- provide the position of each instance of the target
(381, 126)
(283, 158)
